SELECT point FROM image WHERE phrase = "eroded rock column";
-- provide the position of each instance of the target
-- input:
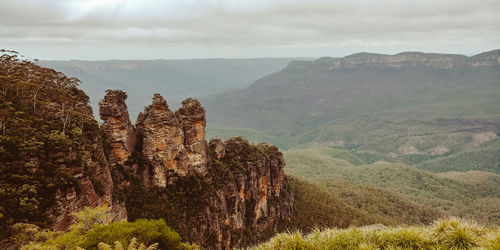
(117, 126)
(192, 117)
(162, 141)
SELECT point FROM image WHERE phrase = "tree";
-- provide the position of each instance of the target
(46, 124)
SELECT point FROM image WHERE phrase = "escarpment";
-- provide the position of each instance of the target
(217, 194)
(52, 160)
(55, 160)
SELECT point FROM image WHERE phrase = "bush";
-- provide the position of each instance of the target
(134, 245)
(91, 229)
(454, 233)
(146, 231)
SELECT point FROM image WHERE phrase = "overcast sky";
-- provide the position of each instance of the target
(151, 29)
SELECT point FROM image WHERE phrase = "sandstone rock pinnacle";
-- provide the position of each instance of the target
(173, 143)
(117, 126)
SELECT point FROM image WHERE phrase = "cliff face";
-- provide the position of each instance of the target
(93, 181)
(52, 161)
(417, 59)
(217, 194)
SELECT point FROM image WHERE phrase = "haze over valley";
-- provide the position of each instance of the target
(235, 124)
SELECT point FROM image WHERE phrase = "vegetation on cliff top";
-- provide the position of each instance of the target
(47, 128)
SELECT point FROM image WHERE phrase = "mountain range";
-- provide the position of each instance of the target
(174, 79)
(429, 110)
(366, 139)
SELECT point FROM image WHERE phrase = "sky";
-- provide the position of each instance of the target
(182, 29)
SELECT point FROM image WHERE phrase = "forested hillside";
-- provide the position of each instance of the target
(473, 194)
(436, 111)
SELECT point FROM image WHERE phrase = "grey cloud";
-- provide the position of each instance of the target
(292, 26)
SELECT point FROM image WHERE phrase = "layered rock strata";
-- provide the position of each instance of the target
(117, 126)
(233, 192)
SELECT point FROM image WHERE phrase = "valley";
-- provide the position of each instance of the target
(361, 141)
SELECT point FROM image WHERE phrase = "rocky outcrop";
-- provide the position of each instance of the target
(250, 198)
(218, 148)
(220, 194)
(412, 59)
(56, 160)
(192, 118)
(173, 143)
(117, 126)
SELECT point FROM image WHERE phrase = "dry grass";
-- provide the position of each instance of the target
(445, 233)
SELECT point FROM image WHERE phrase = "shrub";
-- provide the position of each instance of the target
(146, 231)
(454, 233)
(132, 246)
(91, 229)
(293, 241)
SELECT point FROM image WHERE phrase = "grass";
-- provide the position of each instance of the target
(445, 233)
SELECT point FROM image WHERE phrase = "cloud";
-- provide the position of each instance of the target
(155, 28)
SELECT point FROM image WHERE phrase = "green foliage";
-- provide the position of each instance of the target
(388, 208)
(447, 233)
(415, 115)
(485, 158)
(23, 233)
(92, 230)
(133, 245)
(88, 217)
(404, 193)
(85, 220)
(315, 207)
(46, 131)
(146, 231)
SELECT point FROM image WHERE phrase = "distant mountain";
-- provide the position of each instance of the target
(409, 107)
(174, 79)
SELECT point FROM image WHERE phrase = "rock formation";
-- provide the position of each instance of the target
(55, 160)
(419, 59)
(233, 192)
(247, 203)
(192, 117)
(117, 126)
(173, 143)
